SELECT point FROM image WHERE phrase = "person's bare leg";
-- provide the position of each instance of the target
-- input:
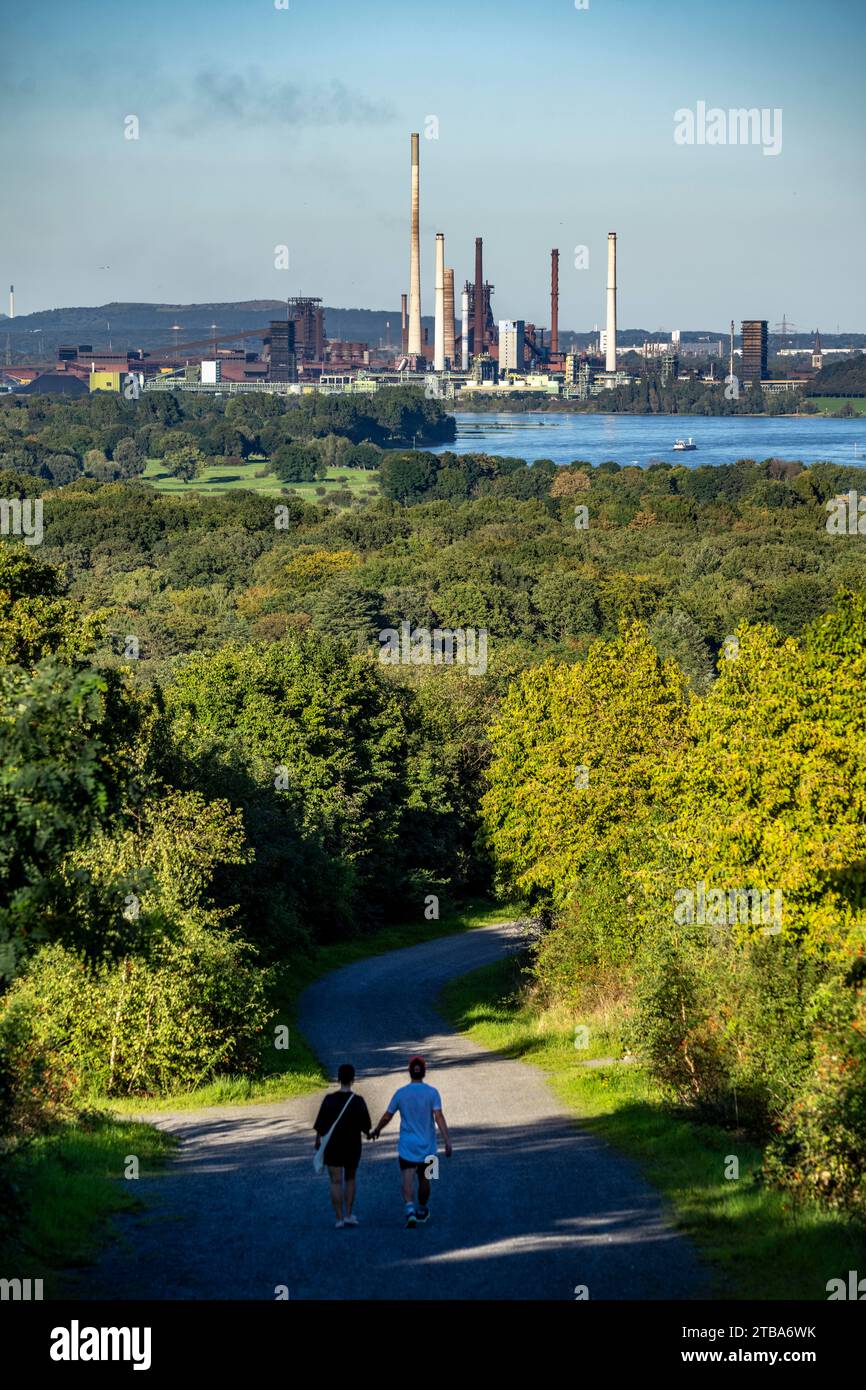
(350, 1194)
(423, 1188)
(336, 1177)
(408, 1182)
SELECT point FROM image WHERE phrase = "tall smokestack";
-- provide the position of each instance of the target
(11, 301)
(439, 318)
(464, 335)
(610, 361)
(478, 345)
(554, 303)
(449, 317)
(404, 324)
(414, 341)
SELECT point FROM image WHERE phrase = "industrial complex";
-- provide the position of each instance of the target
(471, 353)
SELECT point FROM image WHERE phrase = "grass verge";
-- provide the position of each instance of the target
(62, 1188)
(759, 1245)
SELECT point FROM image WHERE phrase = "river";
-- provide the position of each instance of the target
(643, 439)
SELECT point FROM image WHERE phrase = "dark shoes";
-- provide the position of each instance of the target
(422, 1215)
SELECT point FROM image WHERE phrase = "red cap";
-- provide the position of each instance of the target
(415, 1063)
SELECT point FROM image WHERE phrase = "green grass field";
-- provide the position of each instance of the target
(829, 405)
(759, 1245)
(218, 479)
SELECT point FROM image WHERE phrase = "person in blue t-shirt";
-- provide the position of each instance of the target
(420, 1109)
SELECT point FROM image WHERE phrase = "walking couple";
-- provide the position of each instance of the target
(343, 1118)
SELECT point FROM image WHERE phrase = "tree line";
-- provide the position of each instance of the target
(109, 439)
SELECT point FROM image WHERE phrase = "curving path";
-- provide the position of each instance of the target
(529, 1207)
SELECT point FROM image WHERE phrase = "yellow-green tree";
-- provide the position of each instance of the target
(773, 791)
(577, 751)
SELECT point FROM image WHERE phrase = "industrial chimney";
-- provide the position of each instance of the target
(404, 325)
(610, 361)
(554, 303)
(11, 301)
(464, 334)
(414, 343)
(439, 317)
(478, 342)
(449, 316)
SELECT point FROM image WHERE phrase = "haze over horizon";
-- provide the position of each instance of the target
(262, 127)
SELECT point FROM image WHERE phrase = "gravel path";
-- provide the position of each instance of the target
(530, 1206)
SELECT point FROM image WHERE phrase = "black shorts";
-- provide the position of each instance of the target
(345, 1156)
(409, 1163)
(348, 1172)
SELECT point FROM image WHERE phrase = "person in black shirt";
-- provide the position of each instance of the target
(343, 1151)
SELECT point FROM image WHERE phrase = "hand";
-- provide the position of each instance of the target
(448, 1150)
(374, 1134)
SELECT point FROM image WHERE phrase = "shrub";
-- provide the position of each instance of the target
(143, 1027)
(36, 1087)
(673, 1028)
(819, 1151)
(723, 1023)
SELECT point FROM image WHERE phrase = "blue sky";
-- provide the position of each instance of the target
(261, 127)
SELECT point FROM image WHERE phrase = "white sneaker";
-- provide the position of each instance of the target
(339, 1225)
(351, 1221)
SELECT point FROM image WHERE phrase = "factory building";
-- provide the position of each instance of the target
(670, 365)
(104, 381)
(485, 370)
(309, 320)
(754, 355)
(283, 359)
(512, 345)
(572, 368)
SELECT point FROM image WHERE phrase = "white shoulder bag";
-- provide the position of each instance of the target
(319, 1155)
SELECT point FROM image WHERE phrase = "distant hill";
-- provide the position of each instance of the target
(127, 326)
(132, 325)
(847, 377)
